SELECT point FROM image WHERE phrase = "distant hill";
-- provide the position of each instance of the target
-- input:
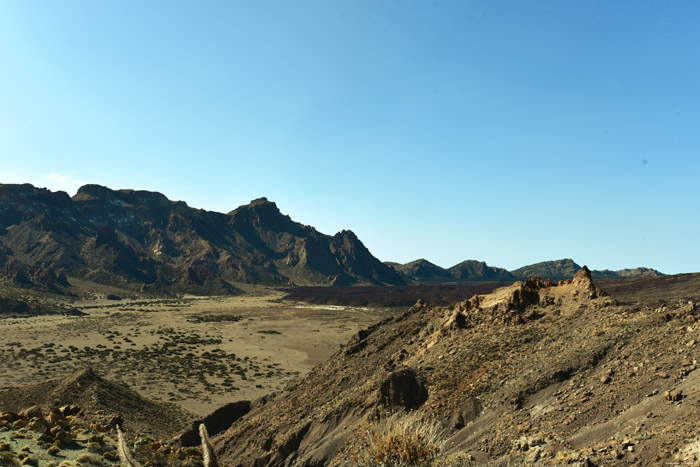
(423, 271)
(478, 270)
(557, 270)
(142, 238)
(565, 268)
(624, 273)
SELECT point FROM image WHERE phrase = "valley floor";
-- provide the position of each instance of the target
(197, 352)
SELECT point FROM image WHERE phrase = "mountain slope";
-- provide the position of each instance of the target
(93, 394)
(141, 237)
(532, 372)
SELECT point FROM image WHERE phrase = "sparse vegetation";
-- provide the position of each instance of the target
(403, 440)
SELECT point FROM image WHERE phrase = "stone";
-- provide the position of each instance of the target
(54, 416)
(115, 420)
(68, 410)
(401, 388)
(31, 412)
(467, 412)
(40, 425)
(64, 438)
(8, 417)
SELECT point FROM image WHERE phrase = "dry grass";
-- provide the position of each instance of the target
(409, 440)
(401, 441)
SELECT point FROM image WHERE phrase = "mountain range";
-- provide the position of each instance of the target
(423, 271)
(141, 238)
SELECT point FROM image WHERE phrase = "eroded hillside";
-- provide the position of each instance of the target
(535, 371)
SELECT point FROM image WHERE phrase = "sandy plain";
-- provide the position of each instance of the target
(197, 352)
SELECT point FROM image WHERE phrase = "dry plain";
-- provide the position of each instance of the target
(197, 352)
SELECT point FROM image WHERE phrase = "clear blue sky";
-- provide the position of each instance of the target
(506, 131)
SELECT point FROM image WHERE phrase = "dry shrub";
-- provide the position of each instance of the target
(401, 441)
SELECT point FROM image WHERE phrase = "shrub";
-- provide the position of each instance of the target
(401, 441)
(90, 460)
(8, 459)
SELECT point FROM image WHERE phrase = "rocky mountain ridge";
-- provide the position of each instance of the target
(144, 239)
(423, 271)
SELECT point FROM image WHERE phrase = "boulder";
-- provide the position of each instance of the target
(31, 412)
(401, 388)
(467, 412)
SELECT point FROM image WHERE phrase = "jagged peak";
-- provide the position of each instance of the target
(583, 275)
(347, 234)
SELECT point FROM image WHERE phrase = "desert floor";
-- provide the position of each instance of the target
(197, 352)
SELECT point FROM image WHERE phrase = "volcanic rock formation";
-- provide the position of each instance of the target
(139, 237)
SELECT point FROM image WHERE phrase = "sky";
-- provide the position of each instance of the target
(510, 132)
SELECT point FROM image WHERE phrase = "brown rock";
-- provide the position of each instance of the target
(8, 416)
(63, 437)
(40, 425)
(402, 388)
(115, 420)
(100, 428)
(468, 411)
(67, 410)
(32, 412)
(54, 416)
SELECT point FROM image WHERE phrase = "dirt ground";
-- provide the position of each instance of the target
(197, 352)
